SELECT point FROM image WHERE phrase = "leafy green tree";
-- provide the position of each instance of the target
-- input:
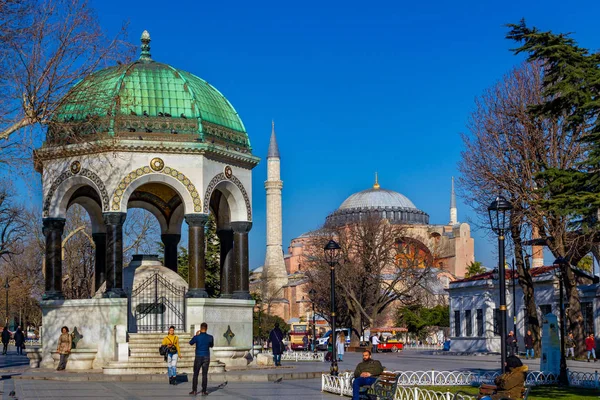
(474, 268)
(586, 263)
(418, 319)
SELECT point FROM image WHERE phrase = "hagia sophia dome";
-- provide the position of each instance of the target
(388, 204)
(147, 100)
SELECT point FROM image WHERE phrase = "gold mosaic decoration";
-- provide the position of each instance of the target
(133, 175)
(75, 167)
(157, 164)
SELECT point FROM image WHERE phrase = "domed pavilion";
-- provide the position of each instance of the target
(149, 135)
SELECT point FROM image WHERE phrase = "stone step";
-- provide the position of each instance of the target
(160, 359)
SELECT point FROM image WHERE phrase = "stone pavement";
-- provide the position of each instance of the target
(297, 378)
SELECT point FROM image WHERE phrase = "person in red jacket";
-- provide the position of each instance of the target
(590, 346)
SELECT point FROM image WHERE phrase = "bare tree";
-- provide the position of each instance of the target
(380, 265)
(506, 151)
(45, 48)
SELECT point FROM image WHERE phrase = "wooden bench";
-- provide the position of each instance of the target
(384, 387)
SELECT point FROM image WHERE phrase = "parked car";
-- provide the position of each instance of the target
(322, 341)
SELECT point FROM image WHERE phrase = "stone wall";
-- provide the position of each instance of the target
(95, 320)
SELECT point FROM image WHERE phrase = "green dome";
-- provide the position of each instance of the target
(148, 98)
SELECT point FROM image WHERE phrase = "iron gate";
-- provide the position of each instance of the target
(156, 304)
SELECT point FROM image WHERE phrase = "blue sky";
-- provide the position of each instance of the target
(353, 87)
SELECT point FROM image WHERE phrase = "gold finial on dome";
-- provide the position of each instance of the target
(376, 185)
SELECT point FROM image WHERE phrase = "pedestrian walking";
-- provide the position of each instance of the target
(570, 344)
(590, 346)
(529, 352)
(19, 337)
(512, 344)
(5, 339)
(341, 342)
(305, 342)
(276, 340)
(374, 343)
(203, 342)
(173, 354)
(65, 343)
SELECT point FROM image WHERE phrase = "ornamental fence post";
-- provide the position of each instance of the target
(432, 376)
(416, 396)
(596, 380)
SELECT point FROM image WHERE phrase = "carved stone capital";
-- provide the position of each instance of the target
(114, 218)
(241, 226)
(196, 219)
(53, 224)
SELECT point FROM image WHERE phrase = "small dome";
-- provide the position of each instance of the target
(373, 198)
(147, 98)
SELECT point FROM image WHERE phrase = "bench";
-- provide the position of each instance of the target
(384, 387)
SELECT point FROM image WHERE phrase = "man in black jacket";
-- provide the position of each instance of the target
(276, 340)
(365, 374)
(529, 345)
(5, 339)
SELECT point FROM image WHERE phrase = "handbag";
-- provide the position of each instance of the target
(162, 350)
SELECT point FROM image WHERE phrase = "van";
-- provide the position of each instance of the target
(322, 341)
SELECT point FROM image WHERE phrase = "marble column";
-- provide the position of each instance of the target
(171, 241)
(53, 230)
(197, 267)
(227, 261)
(241, 288)
(114, 254)
(100, 261)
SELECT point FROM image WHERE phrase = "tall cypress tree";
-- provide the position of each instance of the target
(570, 196)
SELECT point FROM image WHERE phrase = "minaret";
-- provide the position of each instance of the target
(274, 273)
(453, 210)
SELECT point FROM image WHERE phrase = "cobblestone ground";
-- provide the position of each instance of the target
(55, 390)
(414, 360)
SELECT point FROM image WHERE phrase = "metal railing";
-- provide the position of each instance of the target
(409, 382)
(300, 356)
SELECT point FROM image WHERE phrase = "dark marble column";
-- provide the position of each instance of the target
(53, 230)
(197, 268)
(100, 261)
(227, 261)
(241, 288)
(171, 241)
(114, 254)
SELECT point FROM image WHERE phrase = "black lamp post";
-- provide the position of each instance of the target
(499, 222)
(514, 300)
(6, 286)
(259, 304)
(562, 264)
(332, 255)
(311, 296)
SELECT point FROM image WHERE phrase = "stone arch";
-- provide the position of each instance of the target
(235, 194)
(94, 211)
(58, 196)
(167, 176)
(152, 209)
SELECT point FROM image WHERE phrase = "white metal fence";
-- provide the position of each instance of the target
(300, 356)
(409, 382)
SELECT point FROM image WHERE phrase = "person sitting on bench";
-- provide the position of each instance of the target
(509, 385)
(365, 374)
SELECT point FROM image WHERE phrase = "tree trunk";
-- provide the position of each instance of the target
(526, 283)
(575, 317)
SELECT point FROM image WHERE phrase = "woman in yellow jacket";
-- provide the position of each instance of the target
(173, 354)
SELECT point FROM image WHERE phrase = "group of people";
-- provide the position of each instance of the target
(203, 342)
(18, 336)
(570, 344)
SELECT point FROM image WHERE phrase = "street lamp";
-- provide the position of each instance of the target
(562, 264)
(499, 222)
(514, 300)
(6, 286)
(259, 304)
(311, 295)
(332, 255)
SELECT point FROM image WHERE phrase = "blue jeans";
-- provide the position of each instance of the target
(172, 364)
(358, 382)
(529, 353)
(277, 359)
(591, 352)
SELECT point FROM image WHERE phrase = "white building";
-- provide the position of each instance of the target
(474, 308)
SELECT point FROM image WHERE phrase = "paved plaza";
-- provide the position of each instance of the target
(44, 384)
